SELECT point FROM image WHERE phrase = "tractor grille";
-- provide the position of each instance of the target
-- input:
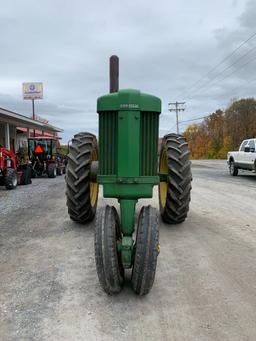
(149, 143)
(108, 142)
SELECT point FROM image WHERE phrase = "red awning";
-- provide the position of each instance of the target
(38, 132)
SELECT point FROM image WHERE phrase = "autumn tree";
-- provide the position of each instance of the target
(240, 119)
(223, 131)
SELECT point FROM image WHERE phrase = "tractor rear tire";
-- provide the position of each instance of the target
(51, 171)
(11, 178)
(174, 193)
(146, 251)
(108, 260)
(81, 192)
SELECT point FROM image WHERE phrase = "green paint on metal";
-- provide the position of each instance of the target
(128, 144)
(127, 209)
(127, 187)
(128, 99)
(127, 191)
(148, 143)
(108, 143)
(127, 251)
(128, 151)
(107, 179)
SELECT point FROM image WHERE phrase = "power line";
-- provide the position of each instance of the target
(230, 74)
(194, 119)
(220, 63)
(191, 120)
(220, 73)
(241, 67)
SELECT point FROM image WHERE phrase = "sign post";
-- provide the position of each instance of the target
(33, 91)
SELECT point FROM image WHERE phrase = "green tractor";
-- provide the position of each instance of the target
(127, 165)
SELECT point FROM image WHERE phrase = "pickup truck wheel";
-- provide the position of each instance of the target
(233, 170)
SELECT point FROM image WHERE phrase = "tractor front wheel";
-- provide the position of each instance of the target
(174, 192)
(81, 190)
(146, 251)
(11, 179)
(108, 261)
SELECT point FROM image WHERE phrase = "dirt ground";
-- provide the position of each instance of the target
(205, 287)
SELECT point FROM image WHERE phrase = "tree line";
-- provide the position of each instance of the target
(222, 131)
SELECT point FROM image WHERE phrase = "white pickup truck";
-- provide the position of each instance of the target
(245, 158)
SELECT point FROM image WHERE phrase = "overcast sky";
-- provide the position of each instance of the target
(164, 48)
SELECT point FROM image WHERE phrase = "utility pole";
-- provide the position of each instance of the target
(178, 106)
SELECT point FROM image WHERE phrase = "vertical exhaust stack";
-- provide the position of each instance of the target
(113, 74)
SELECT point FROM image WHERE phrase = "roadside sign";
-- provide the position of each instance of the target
(32, 90)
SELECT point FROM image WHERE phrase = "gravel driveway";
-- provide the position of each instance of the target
(205, 287)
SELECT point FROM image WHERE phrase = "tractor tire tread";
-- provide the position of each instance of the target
(78, 178)
(178, 180)
(11, 178)
(147, 241)
(106, 257)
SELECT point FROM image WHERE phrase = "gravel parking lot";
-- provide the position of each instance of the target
(205, 287)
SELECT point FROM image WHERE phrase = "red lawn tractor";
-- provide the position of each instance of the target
(42, 153)
(12, 174)
(8, 169)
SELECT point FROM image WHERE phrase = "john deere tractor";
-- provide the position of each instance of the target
(127, 165)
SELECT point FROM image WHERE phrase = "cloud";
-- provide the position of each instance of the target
(164, 47)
